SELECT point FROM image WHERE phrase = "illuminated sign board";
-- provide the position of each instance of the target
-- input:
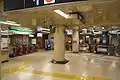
(21, 4)
(13, 4)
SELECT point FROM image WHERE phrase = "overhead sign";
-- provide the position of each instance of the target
(49, 1)
(22, 4)
(13, 4)
(31, 3)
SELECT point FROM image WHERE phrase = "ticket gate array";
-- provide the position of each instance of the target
(18, 50)
(100, 43)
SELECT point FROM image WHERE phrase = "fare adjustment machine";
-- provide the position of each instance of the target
(4, 43)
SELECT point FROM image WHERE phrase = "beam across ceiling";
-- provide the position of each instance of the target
(95, 14)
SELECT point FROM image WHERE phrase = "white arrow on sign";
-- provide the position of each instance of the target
(37, 2)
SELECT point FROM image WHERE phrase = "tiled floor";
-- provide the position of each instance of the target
(82, 66)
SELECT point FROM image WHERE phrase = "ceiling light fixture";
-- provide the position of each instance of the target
(62, 13)
(9, 23)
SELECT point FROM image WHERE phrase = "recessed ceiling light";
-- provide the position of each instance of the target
(9, 23)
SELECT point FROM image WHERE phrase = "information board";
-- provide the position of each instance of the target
(21, 4)
(13, 4)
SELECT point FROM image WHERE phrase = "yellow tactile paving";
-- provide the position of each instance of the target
(116, 59)
(100, 78)
(67, 76)
(25, 63)
(83, 78)
(13, 69)
(36, 72)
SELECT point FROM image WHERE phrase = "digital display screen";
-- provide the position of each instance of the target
(30, 3)
(39, 34)
(21, 4)
(69, 32)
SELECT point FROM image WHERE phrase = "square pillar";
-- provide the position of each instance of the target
(75, 40)
(59, 46)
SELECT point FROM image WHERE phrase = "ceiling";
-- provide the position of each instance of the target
(96, 12)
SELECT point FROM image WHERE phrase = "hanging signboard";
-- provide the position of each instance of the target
(13, 5)
(22, 4)
(49, 1)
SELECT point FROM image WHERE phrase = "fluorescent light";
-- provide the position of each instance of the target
(42, 29)
(45, 32)
(4, 31)
(27, 33)
(61, 13)
(103, 28)
(31, 35)
(8, 23)
(11, 22)
(45, 29)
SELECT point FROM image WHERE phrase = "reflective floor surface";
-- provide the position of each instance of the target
(81, 66)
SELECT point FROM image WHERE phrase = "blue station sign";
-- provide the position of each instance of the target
(22, 4)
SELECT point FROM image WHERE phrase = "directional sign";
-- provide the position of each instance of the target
(49, 1)
(31, 3)
(13, 4)
(21, 4)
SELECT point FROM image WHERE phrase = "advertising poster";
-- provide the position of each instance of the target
(4, 43)
(33, 41)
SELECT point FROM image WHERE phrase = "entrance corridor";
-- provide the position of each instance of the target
(82, 66)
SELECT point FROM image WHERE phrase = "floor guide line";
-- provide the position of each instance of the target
(23, 64)
(14, 69)
(67, 76)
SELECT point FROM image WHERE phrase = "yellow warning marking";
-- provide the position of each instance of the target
(116, 59)
(100, 78)
(13, 69)
(67, 76)
(21, 68)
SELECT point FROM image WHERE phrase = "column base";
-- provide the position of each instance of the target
(59, 62)
(4, 61)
